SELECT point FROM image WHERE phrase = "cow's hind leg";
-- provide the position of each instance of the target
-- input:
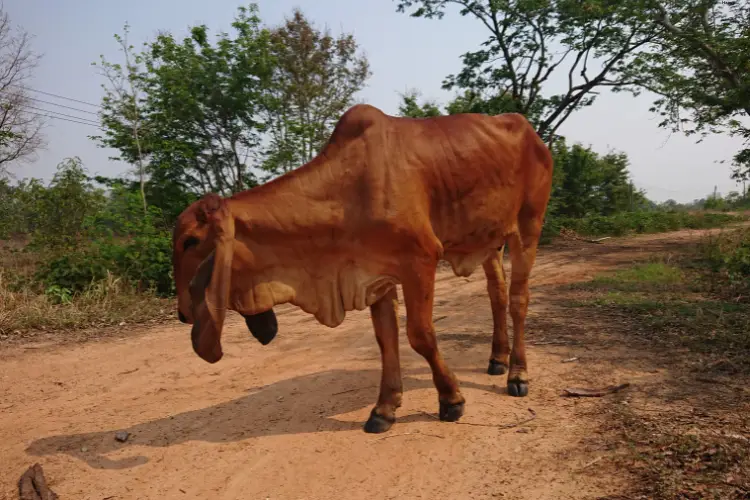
(523, 246)
(419, 292)
(385, 322)
(498, 292)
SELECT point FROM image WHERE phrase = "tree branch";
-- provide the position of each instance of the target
(713, 57)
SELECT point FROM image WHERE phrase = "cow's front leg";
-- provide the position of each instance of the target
(419, 288)
(384, 314)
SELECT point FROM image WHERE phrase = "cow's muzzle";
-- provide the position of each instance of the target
(207, 345)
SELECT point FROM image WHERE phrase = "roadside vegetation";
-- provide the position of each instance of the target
(81, 251)
(699, 301)
(225, 112)
(690, 310)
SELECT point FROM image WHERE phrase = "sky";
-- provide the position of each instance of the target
(403, 52)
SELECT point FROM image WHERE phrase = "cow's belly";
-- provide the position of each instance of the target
(467, 243)
(350, 288)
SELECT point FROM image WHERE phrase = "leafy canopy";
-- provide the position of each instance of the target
(592, 44)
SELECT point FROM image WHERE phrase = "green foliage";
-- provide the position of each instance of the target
(695, 55)
(674, 305)
(701, 71)
(58, 294)
(410, 106)
(211, 115)
(205, 102)
(588, 183)
(657, 273)
(468, 102)
(314, 79)
(730, 254)
(82, 233)
(73, 272)
(715, 201)
(145, 263)
(198, 106)
(166, 197)
(65, 208)
(593, 43)
(56, 216)
(643, 222)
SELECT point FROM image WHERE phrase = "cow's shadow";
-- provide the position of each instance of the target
(298, 405)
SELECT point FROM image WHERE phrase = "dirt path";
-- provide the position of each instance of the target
(285, 421)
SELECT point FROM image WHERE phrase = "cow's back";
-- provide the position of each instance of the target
(468, 174)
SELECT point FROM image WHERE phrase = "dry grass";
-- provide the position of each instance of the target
(675, 303)
(688, 437)
(698, 454)
(24, 310)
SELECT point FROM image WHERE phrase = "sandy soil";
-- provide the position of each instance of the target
(285, 421)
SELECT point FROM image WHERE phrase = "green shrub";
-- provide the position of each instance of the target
(144, 262)
(624, 223)
(74, 271)
(730, 253)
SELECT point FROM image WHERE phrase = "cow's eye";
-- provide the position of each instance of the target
(190, 242)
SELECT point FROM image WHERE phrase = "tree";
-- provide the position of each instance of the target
(315, 79)
(121, 115)
(198, 108)
(521, 53)
(64, 207)
(410, 106)
(587, 183)
(702, 68)
(206, 102)
(20, 126)
(472, 102)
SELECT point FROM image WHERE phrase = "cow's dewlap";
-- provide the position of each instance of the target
(263, 326)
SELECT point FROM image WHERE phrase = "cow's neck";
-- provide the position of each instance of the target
(298, 205)
(291, 229)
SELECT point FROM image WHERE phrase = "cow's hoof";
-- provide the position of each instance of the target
(497, 368)
(451, 413)
(378, 423)
(518, 388)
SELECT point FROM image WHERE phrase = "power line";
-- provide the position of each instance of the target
(63, 106)
(92, 122)
(62, 97)
(23, 87)
(65, 119)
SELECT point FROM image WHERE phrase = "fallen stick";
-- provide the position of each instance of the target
(33, 486)
(594, 393)
(572, 235)
(408, 434)
(589, 464)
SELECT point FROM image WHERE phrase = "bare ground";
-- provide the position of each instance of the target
(285, 421)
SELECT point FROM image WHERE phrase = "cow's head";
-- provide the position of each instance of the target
(202, 256)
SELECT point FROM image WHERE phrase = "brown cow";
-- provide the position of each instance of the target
(383, 202)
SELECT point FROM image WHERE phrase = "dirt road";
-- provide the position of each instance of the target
(285, 421)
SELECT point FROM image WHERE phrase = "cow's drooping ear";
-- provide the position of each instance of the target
(210, 289)
(207, 207)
